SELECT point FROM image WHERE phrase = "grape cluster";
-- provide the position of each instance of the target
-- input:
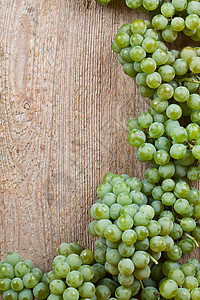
(172, 17)
(19, 279)
(169, 145)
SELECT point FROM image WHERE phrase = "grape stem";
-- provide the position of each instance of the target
(189, 80)
(153, 259)
(192, 239)
(141, 284)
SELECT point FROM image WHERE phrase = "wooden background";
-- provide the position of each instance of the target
(64, 107)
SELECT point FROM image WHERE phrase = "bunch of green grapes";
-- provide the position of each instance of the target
(158, 72)
(180, 281)
(19, 279)
(162, 138)
(72, 273)
(172, 17)
(137, 221)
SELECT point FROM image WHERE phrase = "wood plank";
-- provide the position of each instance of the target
(64, 107)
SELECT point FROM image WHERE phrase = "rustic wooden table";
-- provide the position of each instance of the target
(64, 107)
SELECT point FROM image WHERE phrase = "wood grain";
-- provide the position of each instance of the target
(64, 107)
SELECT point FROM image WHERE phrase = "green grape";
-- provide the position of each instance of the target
(182, 294)
(73, 279)
(87, 272)
(192, 21)
(162, 143)
(168, 199)
(138, 26)
(5, 284)
(6, 271)
(113, 233)
(178, 24)
(136, 138)
(154, 80)
(62, 269)
(190, 283)
(195, 294)
(115, 48)
(140, 259)
(129, 70)
(148, 65)
(158, 206)
(152, 175)
(125, 222)
(21, 269)
(159, 105)
(27, 294)
(193, 196)
(56, 287)
(109, 199)
(120, 187)
(12, 258)
(195, 117)
(167, 73)
(146, 151)
(182, 189)
(125, 54)
(125, 281)
(129, 237)
(143, 273)
(175, 253)
(188, 158)
(41, 290)
(168, 185)
(102, 190)
(17, 284)
(194, 65)
(102, 211)
(196, 151)
(137, 53)
(136, 40)
(194, 101)
(181, 206)
(87, 289)
(161, 157)
(179, 134)
(159, 22)
(167, 171)
(126, 250)
(71, 294)
(126, 266)
(176, 232)
(178, 151)
(165, 91)
(134, 183)
(157, 244)
(168, 288)
(180, 66)
(112, 256)
(150, 4)
(30, 280)
(103, 292)
(168, 34)
(177, 275)
(115, 211)
(122, 40)
(174, 111)
(154, 228)
(74, 261)
(181, 94)
(188, 224)
(149, 44)
(166, 225)
(10, 295)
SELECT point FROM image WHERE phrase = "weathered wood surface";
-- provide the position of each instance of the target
(63, 111)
